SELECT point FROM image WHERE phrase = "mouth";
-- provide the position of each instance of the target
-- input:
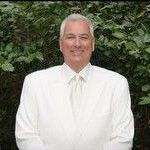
(77, 52)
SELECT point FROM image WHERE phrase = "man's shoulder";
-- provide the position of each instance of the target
(106, 74)
(42, 74)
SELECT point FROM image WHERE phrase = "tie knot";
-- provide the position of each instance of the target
(78, 78)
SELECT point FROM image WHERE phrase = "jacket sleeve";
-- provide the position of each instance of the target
(122, 120)
(26, 132)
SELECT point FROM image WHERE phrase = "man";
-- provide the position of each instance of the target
(75, 106)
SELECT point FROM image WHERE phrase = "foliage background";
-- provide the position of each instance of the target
(29, 41)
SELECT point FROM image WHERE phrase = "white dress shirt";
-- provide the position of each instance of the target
(45, 119)
(76, 81)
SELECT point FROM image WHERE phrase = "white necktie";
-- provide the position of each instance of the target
(76, 94)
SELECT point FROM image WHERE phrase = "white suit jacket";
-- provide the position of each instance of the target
(44, 120)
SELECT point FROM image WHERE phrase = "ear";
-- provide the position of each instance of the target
(60, 45)
(93, 45)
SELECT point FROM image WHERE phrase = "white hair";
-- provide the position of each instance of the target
(75, 17)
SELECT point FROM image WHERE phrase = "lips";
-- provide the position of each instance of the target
(77, 52)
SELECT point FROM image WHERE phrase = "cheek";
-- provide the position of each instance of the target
(88, 45)
(67, 45)
(89, 48)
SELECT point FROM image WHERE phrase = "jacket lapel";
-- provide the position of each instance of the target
(64, 110)
(89, 104)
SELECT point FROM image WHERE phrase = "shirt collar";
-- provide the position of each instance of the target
(69, 73)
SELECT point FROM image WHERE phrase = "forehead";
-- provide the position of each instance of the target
(76, 27)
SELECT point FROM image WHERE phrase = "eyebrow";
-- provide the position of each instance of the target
(84, 34)
(70, 34)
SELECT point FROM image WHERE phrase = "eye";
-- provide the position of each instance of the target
(70, 37)
(84, 37)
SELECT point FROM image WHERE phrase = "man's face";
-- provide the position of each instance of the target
(77, 43)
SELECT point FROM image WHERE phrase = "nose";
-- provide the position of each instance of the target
(77, 42)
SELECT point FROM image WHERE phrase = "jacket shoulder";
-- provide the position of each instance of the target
(107, 75)
(42, 75)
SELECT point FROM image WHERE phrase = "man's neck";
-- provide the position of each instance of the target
(77, 68)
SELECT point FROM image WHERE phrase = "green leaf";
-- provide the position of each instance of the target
(9, 47)
(147, 38)
(134, 53)
(145, 101)
(141, 14)
(107, 53)
(127, 23)
(130, 45)
(106, 41)
(24, 59)
(7, 67)
(147, 49)
(40, 43)
(2, 59)
(39, 56)
(118, 35)
(101, 38)
(138, 41)
(141, 32)
(145, 87)
(1, 33)
(12, 55)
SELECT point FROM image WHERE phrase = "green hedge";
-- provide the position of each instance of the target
(29, 41)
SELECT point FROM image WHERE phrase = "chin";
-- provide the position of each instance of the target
(77, 60)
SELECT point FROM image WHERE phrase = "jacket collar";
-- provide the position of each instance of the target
(69, 73)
